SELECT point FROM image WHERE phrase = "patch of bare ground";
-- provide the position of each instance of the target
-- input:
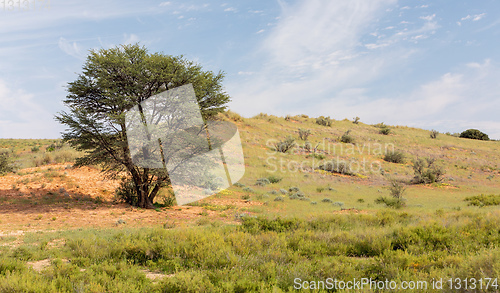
(155, 277)
(58, 197)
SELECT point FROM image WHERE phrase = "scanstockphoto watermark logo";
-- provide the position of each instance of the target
(327, 155)
(167, 131)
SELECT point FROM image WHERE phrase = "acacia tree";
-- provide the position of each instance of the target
(112, 82)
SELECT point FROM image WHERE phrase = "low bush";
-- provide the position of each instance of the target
(474, 134)
(346, 137)
(336, 167)
(5, 164)
(434, 134)
(483, 200)
(262, 182)
(126, 192)
(394, 157)
(230, 115)
(385, 130)
(274, 179)
(426, 171)
(356, 120)
(285, 145)
(324, 121)
(304, 134)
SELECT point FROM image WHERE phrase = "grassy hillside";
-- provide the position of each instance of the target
(287, 224)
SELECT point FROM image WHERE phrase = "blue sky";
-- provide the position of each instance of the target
(429, 64)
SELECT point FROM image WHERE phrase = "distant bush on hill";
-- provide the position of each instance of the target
(336, 167)
(395, 157)
(483, 200)
(474, 134)
(325, 121)
(230, 115)
(346, 137)
(426, 171)
(285, 145)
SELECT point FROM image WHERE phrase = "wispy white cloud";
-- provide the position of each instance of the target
(475, 17)
(21, 116)
(478, 16)
(260, 31)
(230, 9)
(167, 3)
(312, 49)
(428, 17)
(71, 48)
(131, 39)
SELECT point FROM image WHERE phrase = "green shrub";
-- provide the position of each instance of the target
(304, 134)
(380, 125)
(274, 179)
(230, 115)
(397, 190)
(324, 121)
(126, 192)
(434, 134)
(394, 157)
(483, 200)
(5, 165)
(285, 145)
(426, 171)
(336, 167)
(346, 137)
(474, 134)
(35, 149)
(279, 198)
(248, 189)
(262, 182)
(356, 120)
(385, 130)
(316, 156)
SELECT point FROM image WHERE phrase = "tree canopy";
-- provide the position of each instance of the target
(111, 83)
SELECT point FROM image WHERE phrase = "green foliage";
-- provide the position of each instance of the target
(274, 179)
(427, 171)
(304, 134)
(263, 182)
(324, 121)
(434, 134)
(263, 254)
(397, 157)
(285, 145)
(336, 167)
(385, 130)
(483, 200)
(5, 164)
(112, 82)
(346, 137)
(356, 120)
(316, 156)
(126, 192)
(474, 134)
